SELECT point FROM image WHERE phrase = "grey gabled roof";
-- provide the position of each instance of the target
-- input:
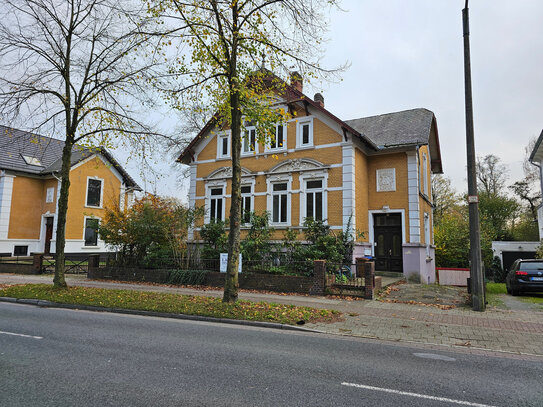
(16, 144)
(396, 129)
(537, 152)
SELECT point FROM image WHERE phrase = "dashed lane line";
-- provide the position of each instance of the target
(23, 335)
(422, 396)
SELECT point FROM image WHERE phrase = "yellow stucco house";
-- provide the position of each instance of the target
(374, 171)
(29, 189)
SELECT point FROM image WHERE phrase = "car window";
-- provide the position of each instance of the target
(532, 265)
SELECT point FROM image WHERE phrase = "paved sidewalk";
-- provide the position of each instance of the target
(514, 332)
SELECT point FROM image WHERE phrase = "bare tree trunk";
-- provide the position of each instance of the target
(59, 280)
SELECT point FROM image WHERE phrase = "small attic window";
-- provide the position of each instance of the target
(32, 161)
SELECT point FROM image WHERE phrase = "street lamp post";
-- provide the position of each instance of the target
(476, 269)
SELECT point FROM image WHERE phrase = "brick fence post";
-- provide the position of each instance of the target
(369, 279)
(360, 261)
(37, 263)
(319, 274)
(93, 265)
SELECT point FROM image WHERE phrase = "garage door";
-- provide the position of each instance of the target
(509, 257)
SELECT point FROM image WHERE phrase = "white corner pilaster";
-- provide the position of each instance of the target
(413, 197)
(6, 191)
(192, 196)
(349, 207)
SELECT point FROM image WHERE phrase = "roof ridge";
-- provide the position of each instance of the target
(31, 134)
(390, 113)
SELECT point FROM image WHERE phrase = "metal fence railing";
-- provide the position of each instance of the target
(344, 274)
(16, 260)
(275, 266)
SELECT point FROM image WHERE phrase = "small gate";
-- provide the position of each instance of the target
(353, 279)
(343, 279)
(75, 265)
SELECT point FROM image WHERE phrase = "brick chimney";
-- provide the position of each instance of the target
(296, 81)
(319, 99)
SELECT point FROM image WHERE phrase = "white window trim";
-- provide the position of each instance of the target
(209, 187)
(427, 233)
(220, 136)
(245, 131)
(280, 180)
(101, 193)
(313, 176)
(269, 149)
(299, 122)
(98, 240)
(251, 183)
(52, 200)
(425, 174)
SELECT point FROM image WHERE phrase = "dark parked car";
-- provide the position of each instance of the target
(525, 276)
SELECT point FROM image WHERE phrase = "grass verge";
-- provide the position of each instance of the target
(496, 288)
(493, 291)
(171, 303)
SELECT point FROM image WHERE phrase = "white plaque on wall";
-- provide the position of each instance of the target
(386, 180)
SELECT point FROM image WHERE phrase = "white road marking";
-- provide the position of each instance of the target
(23, 335)
(422, 396)
(434, 356)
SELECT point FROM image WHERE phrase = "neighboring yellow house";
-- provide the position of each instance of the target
(29, 189)
(374, 171)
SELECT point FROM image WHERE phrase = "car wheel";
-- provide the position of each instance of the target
(508, 289)
(514, 293)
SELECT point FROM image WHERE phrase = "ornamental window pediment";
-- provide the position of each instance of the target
(297, 165)
(226, 172)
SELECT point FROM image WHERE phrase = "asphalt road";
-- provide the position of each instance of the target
(56, 357)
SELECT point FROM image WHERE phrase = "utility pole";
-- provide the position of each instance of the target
(476, 269)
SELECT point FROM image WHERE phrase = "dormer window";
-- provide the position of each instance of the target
(249, 144)
(32, 161)
(304, 132)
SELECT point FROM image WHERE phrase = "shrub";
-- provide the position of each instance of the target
(215, 240)
(497, 270)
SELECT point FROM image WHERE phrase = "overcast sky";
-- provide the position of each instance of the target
(409, 54)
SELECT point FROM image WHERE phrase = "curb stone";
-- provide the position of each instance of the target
(259, 324)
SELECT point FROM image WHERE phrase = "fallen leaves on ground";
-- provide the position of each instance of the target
(172, 303)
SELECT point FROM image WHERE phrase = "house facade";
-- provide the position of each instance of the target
(536, 158)
(372, 174)
(30, 187)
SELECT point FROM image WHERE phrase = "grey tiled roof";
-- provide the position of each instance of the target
(537, 152)
(395, 129)
(17, 144)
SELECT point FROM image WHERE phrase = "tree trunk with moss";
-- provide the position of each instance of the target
(59, 280)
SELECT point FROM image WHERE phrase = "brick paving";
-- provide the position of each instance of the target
(514, 333)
